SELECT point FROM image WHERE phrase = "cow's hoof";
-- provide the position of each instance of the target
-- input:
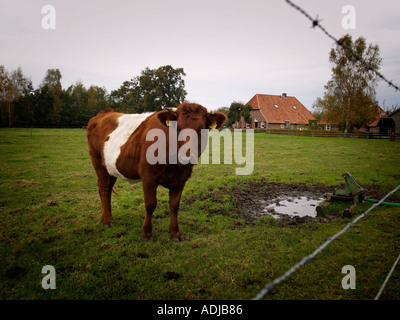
(176, 237)
(146, 238)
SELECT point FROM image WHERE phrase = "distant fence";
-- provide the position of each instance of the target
(329, 134)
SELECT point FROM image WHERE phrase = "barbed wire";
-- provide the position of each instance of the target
(316, 23)
(306, 259)
(387, 279)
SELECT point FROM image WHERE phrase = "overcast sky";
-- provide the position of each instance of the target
(229, 49)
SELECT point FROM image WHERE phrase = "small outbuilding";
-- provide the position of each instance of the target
(395, 115)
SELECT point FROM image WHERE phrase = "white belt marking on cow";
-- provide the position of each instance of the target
(127, 124)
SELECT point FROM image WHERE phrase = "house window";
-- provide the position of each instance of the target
(276, 106)
(282, 126)
(287, 123)
(294, 107)
(328, 127)
(262, 125)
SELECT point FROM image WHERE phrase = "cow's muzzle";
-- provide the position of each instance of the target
(184, 160)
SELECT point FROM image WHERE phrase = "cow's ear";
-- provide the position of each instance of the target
(215, 120)
(166, 116)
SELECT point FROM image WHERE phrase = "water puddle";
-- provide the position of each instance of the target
(293, 207)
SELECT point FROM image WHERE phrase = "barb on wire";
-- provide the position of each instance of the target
(306, 259)
(316, 23)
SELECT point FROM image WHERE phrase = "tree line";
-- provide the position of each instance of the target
(349, 100)
(50, 105)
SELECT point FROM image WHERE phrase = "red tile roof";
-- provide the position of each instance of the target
(288, 108)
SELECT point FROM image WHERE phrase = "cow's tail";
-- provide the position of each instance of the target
(115, 193)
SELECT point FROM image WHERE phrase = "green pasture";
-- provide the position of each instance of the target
(50, 215)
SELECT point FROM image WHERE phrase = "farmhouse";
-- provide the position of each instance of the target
(276, 112)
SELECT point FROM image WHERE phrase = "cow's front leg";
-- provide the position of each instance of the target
(150, 202)
(174, 200)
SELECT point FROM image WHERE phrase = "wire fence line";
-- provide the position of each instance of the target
(316, 23)
(387, 278)
(307, 259)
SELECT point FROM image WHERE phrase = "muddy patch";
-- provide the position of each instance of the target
(290, 204)
(254, 200)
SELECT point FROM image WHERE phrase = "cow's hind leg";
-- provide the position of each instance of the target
(105, 191)
(105, 182)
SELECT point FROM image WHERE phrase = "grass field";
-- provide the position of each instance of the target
(50, 214)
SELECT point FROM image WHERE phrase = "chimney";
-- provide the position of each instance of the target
(284, 95)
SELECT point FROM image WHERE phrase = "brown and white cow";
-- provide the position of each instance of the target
(118, 144)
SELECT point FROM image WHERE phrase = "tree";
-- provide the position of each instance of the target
(349, 99)
(238, 110)
(126, 98)
(169, 85)
(75, 107)
(12, 86)
(4, 85)
(53, 81)
(224, 110)
(25, 109)
(245, 113)
(152, 90)
(50, 105)
(317, 115)
(97, 100)
(81, 104)
(42, 102)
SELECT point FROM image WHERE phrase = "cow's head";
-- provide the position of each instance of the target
(191, 123)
